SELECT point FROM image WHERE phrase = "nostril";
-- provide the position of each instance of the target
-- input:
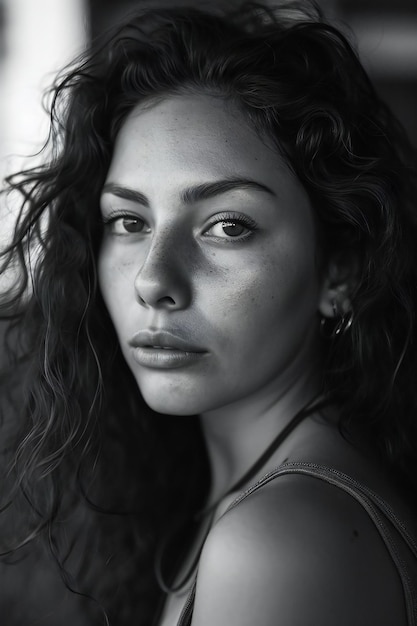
(166, 300)
(170, 291)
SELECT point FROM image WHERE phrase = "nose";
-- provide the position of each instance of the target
(163, 281)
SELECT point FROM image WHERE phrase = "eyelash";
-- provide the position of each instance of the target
(242, 220)
(114, 217)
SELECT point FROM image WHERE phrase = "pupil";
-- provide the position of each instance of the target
(232, 229)
(132, 225)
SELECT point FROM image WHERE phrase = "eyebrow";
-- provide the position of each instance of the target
(194, 194)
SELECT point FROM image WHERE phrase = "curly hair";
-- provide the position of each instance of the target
(83, 455)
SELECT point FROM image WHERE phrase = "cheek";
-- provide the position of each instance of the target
(115, 277)
(264, 307)
(260, 287)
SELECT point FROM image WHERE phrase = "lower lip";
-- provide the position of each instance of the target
(158, 358)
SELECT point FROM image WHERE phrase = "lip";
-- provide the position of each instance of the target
(164, 349)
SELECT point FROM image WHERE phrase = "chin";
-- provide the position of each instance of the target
(171, 403)
(172, 395)
(171, 408)
(187, 402)
(172, 392)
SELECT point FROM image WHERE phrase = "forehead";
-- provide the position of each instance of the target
(200, 135)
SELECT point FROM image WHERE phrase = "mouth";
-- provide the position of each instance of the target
(161, 347)
(164, 349)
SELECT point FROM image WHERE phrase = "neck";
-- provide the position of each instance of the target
(236, 435)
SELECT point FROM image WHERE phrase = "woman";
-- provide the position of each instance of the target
(213, 334)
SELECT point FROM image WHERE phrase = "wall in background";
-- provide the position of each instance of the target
(386, 32)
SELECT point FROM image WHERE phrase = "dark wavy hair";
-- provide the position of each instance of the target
(87, 465)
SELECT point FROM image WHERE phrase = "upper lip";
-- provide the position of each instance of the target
(163, 339)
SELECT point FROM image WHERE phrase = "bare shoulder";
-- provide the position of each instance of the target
(297, 552)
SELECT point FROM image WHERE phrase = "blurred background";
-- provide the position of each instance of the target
(37, 37)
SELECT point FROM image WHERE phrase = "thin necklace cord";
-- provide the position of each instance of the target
(208, 512)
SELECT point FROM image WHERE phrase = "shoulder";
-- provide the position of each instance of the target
(302, 551)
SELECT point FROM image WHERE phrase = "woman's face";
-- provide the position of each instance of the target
(208, 262)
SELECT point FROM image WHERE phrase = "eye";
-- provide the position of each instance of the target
(126, 224)
(231, 227)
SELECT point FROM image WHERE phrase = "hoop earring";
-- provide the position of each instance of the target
(330, 328)
(344, 323)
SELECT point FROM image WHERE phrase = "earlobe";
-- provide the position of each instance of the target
(335, 305)
(337, 286)
(335, 301)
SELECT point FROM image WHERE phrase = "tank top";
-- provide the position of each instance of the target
(399, 542)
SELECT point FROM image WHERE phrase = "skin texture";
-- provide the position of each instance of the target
(330, 566)
(251, 300)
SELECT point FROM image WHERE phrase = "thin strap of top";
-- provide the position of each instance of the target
(387, 523)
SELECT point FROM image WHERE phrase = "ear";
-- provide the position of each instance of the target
(338, 283)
